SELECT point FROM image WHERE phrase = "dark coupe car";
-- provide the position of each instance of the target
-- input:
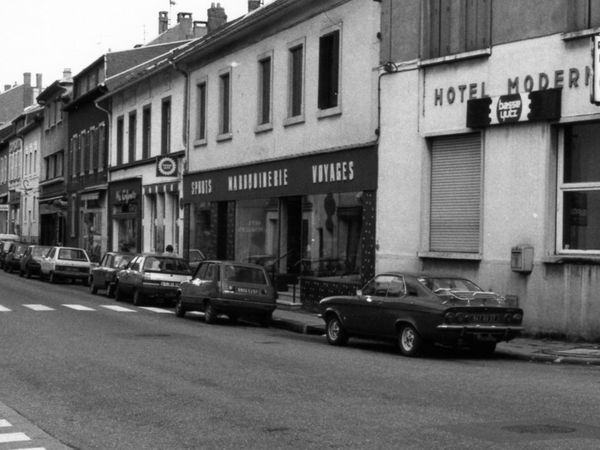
(12, 261)
(104, 275)
(419, 310)
(31, 260)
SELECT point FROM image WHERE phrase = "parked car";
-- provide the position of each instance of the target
(12, 261)
(231, 288)
(419, 310)
(5, 246)
(151, 276)
(104, 275)
(32, 259)
(195, 257)
(66, 263)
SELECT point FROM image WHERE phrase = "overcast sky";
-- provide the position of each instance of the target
(46, 36)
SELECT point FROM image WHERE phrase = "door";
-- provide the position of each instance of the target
(292, 233)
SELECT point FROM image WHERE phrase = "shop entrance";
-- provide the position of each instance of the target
(291, 234)
(222, 230)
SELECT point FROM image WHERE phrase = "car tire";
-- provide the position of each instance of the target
(85, 281)
(483, 348)
(409, 341)
(210, 313)
(179, 308)
(93, 287)
(336, 335)
(27, 272)
(52, 278)
(138, 298)
(233, 318)
(118, 294)
(110, 290)
(265, 320)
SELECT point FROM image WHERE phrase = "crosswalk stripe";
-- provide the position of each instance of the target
(79, 307)
(13, 437)
(4, 309)
(38, 307)
(157, 310)
(31, 448)
(5, 423)
(118, 308)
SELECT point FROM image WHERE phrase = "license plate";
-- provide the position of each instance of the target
(485, 318)
(169, 283)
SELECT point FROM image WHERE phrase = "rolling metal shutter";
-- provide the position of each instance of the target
(455, 194)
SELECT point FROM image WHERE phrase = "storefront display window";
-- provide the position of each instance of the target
(579, 199)
(257, 230)
(201, 229)
(127, 235)
(91, 234)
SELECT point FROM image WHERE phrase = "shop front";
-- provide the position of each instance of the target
(93, 229)
(53, 213)
(125, 215)
(309, 218)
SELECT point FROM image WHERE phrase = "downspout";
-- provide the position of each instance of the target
(108, 141)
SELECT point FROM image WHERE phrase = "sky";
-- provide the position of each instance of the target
(47, 36)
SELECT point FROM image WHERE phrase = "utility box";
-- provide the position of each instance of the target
(521, 258)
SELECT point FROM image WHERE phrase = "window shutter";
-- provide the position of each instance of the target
(455, 194)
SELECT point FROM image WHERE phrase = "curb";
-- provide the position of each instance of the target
(298, 326)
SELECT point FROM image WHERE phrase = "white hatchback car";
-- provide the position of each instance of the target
(62, 263)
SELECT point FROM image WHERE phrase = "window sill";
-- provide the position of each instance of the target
(295, 120)
(224, 137)
(572, 259)
(451, 255)
(330, 112)
(264, 127)
(572, 35)
(200, 143)
(483, 53)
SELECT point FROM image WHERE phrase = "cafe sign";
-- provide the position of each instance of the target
(166, 166)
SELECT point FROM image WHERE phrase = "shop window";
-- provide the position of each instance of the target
(329, 64)
(583, 14)
(579, 189)
(455, 209)
(452, 27)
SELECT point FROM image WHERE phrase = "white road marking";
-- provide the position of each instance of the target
(13, 437)
(118, 308)
(38, 307)
(4, 309)
(79, 307)
(157, 310)
(31, 448)
(5, 423)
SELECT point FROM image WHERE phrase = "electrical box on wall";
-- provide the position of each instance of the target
(521, 258)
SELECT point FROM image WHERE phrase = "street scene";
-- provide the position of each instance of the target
(300, 224)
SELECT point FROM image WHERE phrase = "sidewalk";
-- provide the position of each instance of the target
(524, 348)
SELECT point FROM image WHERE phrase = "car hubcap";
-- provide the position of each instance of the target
(334, 329)
(408, 338)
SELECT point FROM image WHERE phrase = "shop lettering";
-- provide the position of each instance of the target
(333, 172)
(257, 180)
(126, 196)
(202, 187)
(463, 92)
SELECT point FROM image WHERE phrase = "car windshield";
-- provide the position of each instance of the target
(39, 251)
(448, 284)
(72, 254)
(243, 274)
(166, 264)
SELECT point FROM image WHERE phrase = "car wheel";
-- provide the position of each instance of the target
(233, 317)
(110, 290)
(27, 272)
(118, 294)
(85, 281)
(179, 309)
(52, 278)
(336, 335)
(93, 287)
(409, 341)
(210, 314)
(484, 348)
(265, 320)
(138, 298)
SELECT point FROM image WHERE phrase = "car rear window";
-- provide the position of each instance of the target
(72, 254)
(121, 260)
(242, 274)
(170, 265)
(39, 251)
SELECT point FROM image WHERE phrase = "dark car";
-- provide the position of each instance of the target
(231, 288)
(12, 260)
(419, 310)
(5, 246)
(104, 275)
(152, 276)
(31, 260)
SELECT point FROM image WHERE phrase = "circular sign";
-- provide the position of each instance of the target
(167, 166)
(509, 108)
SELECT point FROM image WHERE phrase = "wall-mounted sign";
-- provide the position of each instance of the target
(596, 69)
(510, 108)
(166, 166)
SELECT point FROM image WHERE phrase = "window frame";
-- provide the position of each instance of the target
(165, 125)
(264, 113)
(119, 136)
(146, 131)
(296, 82)
(332, 105)
(201, 111)
(132, 135)
(224, 116)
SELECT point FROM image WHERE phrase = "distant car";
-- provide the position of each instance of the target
(66, 263)
(195, 258)
(5, 246)
(12, 261)
(104, 275)
(151, 276)
(227, 287)
(31, 260)
(418, 310)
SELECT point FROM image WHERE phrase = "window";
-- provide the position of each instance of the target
(101, 146)
(165, 137)
(93, 133)
(83, 149)
(583, 14)
(120, 131)
(201, 117)
(132, 135)
(224, 103)
(579, 189)
(452, 27)
(455, 210)
(146, 131)
(74, 151)
(329, 53)
(296, 81)
(264, 91)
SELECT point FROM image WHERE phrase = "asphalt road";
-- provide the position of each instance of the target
(110, 378)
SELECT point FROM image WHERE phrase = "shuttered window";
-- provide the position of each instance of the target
(455, 215)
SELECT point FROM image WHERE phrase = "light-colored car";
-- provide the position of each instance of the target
(154, 276)
(31, 262)
(65, 263)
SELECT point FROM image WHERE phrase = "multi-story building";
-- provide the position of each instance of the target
(15, 98)
(488, 161)
(5, 132)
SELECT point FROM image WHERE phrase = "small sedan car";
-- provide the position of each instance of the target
(419, 310)
(104, 275)
(231, 288)
(151, 276)
(12, 261)
(31, 262)
(66, 263)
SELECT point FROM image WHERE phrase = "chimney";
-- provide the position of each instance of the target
(38, 80)
(163, 21)
(216, 17)
(254, 4)
(66, 73)
(27, 78)
(199, 29)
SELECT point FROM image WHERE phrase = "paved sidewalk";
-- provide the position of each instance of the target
(524, 348)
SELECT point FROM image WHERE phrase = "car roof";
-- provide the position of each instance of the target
(159, 255)
(229, 261)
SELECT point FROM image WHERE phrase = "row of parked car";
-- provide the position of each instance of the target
(414, 310)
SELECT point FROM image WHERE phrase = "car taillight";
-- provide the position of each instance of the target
(449, 317)
(517, 317)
